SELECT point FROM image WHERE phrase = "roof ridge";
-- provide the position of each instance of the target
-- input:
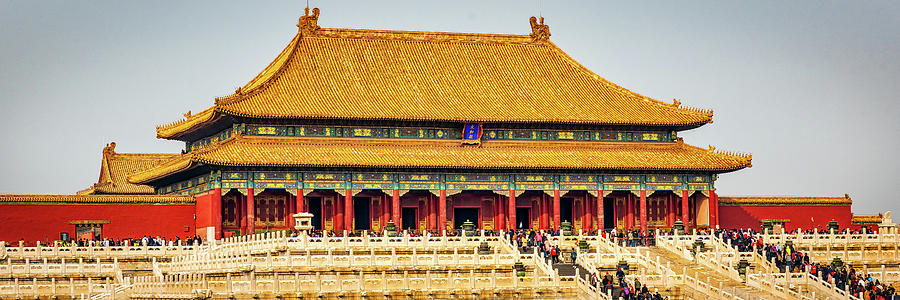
(142, 155)
(424, 35)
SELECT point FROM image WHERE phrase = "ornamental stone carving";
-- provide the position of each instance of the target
(309, 23)
(539, 32)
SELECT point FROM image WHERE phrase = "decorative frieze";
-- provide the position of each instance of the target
(261, 180)
(433, 133)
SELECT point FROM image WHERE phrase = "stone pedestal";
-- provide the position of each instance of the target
(303, 222)
(887, 225)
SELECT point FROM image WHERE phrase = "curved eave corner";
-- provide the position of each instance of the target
(176, 165)
(176, 129)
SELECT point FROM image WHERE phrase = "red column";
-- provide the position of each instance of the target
(216, 212)
(338, 216)
(291, 209)
(619, 212)
(442, 210)
(684, 207)
(600, 221)
(348, 210)
(556, 209)
(301, 203)
(385, 209)
(671, 210)
(629, 211)
(713, 209)
(513, 225)
(396, 204)
(499, 213)
(251, 227)
(433, 212)
(586, 210)
(239, 214)
(644, 211)
(544, 207)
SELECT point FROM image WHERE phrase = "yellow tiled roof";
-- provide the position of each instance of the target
(348, 152)
(115, 167)
(866, 219)
(412, 75)
(777, 200)
(189, 122)
(96, 199)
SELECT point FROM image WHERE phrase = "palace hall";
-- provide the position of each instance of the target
(423, 130)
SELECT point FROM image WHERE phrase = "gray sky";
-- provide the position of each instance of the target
(810, 88)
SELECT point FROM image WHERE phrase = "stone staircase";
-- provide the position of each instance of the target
(682, 266)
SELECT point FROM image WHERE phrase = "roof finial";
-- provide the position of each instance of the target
(309, 23)
(109, 149)
(539, 32)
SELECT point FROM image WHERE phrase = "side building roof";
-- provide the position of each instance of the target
(359, 74)
(115, 167)
(866, 220)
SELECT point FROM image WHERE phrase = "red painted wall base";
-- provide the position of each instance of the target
(803, 217)
(40, 222)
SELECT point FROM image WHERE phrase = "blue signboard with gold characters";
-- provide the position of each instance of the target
(472, 134)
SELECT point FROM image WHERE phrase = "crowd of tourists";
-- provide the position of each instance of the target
(860, 285)
(787, 259)
(633, 238)
(149, 241)
(622, 289)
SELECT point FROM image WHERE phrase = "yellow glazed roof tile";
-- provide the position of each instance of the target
(348, 152)
(866, 219)
(115, 167)
(328, 73)
(189, 121)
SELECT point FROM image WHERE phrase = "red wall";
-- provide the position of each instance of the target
(801, 216)
(44, 222)
(203, 212)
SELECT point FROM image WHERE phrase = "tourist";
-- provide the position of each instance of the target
(574, 254)
(620, 274)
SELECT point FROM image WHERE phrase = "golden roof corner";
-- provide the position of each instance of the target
(190, 120)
